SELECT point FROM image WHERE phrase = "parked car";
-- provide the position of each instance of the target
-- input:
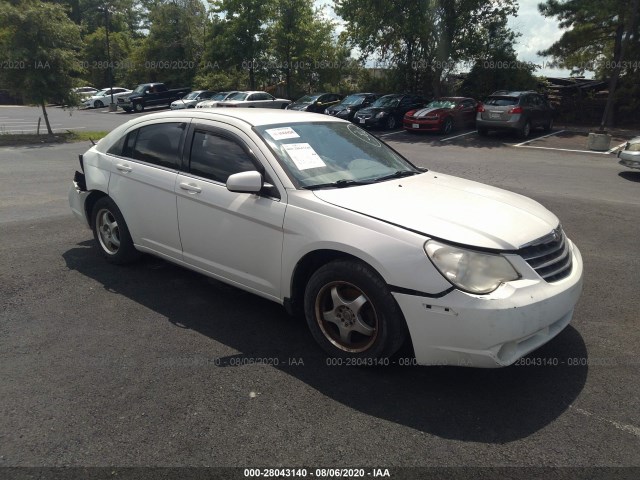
(442, 115)
(348, 107)
(150, 95)
(190, 100)
(388, 111)
(322, 217)
(213, 101)
(316, 102)
(253, 99)
(82, 93)
(103, 97)
(630, 155)
(519, 112)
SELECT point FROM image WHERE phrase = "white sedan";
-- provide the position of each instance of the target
(316, 214)
(103, 97)
(629, 155)
(254, 99)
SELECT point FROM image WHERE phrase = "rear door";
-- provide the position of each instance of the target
(142, 183)
(234, 236)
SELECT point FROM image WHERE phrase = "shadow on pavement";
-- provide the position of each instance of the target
(493, 406)
(631, 176)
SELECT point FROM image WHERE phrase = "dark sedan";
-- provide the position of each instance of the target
(348, 107)
(388, 111)
(316, 102)
(442, 115)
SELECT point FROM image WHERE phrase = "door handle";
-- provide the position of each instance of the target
(123, 168)
(190, 187)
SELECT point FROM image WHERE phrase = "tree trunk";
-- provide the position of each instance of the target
(618, 57)
(46, 118)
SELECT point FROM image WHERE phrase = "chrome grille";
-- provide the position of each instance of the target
(549, 256)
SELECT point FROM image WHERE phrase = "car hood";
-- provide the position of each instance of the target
(375, 110)
(423, 112)
(449, 208)
(298, 106)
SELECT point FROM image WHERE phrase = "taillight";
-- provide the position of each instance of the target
(515, 110)
(480, 108)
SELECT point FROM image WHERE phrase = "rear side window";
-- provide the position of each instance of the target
(216, 157)
(156, 144)
(502, 101)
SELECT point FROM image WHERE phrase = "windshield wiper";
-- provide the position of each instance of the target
(337, 184)
(397, 174)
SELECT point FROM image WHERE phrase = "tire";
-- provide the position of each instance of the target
(138, 107)
(549, 125)
(391, 122)
(98, 104)
(351, 312)
(483, 132)
(447, 126)
(525, 131)
(111, 233)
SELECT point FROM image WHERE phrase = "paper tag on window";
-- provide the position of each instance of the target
(282, 133)
(303, 156)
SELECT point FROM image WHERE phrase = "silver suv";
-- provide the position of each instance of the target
(516, 111)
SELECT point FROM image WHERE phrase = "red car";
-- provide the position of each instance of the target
(442, 115)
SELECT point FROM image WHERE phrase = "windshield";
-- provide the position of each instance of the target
(441, 104)
(353, 100)
(332, 154)
(387, 101)
(220, 96)
(238, 96)
(102, 92)
(140, 88)
(191, 96)
(308, 99)
(501, 101)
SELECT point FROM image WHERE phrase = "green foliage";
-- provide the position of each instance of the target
(40, 40)
(423, 40)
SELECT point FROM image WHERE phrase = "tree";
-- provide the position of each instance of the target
(244, 34)
(43, 43)
(174, 46)
(599, 36)
(423, 39)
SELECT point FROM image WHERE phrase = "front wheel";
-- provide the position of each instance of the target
(447, 126)
(98, 104)
(391, 122)
(111, 233)
(138, 107)
(351, 312)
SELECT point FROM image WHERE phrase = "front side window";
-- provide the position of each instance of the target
(156, 144)
(216, 157)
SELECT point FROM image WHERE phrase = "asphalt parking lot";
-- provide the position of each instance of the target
(153, 365)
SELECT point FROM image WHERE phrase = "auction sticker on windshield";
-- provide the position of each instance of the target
(282, 133)
(303, 155)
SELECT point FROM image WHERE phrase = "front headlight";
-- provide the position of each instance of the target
(381, 114)
(470, 271)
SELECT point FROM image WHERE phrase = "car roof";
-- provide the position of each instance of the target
(509, 93)
(255, 116)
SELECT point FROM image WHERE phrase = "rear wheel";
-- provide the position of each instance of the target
(111, 233)
(351, 312)
(525, 130)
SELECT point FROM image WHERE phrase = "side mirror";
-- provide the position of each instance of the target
(245, 182)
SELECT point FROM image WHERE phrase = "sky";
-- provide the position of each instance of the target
(537, 33)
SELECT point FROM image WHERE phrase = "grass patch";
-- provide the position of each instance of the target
(16, 140)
